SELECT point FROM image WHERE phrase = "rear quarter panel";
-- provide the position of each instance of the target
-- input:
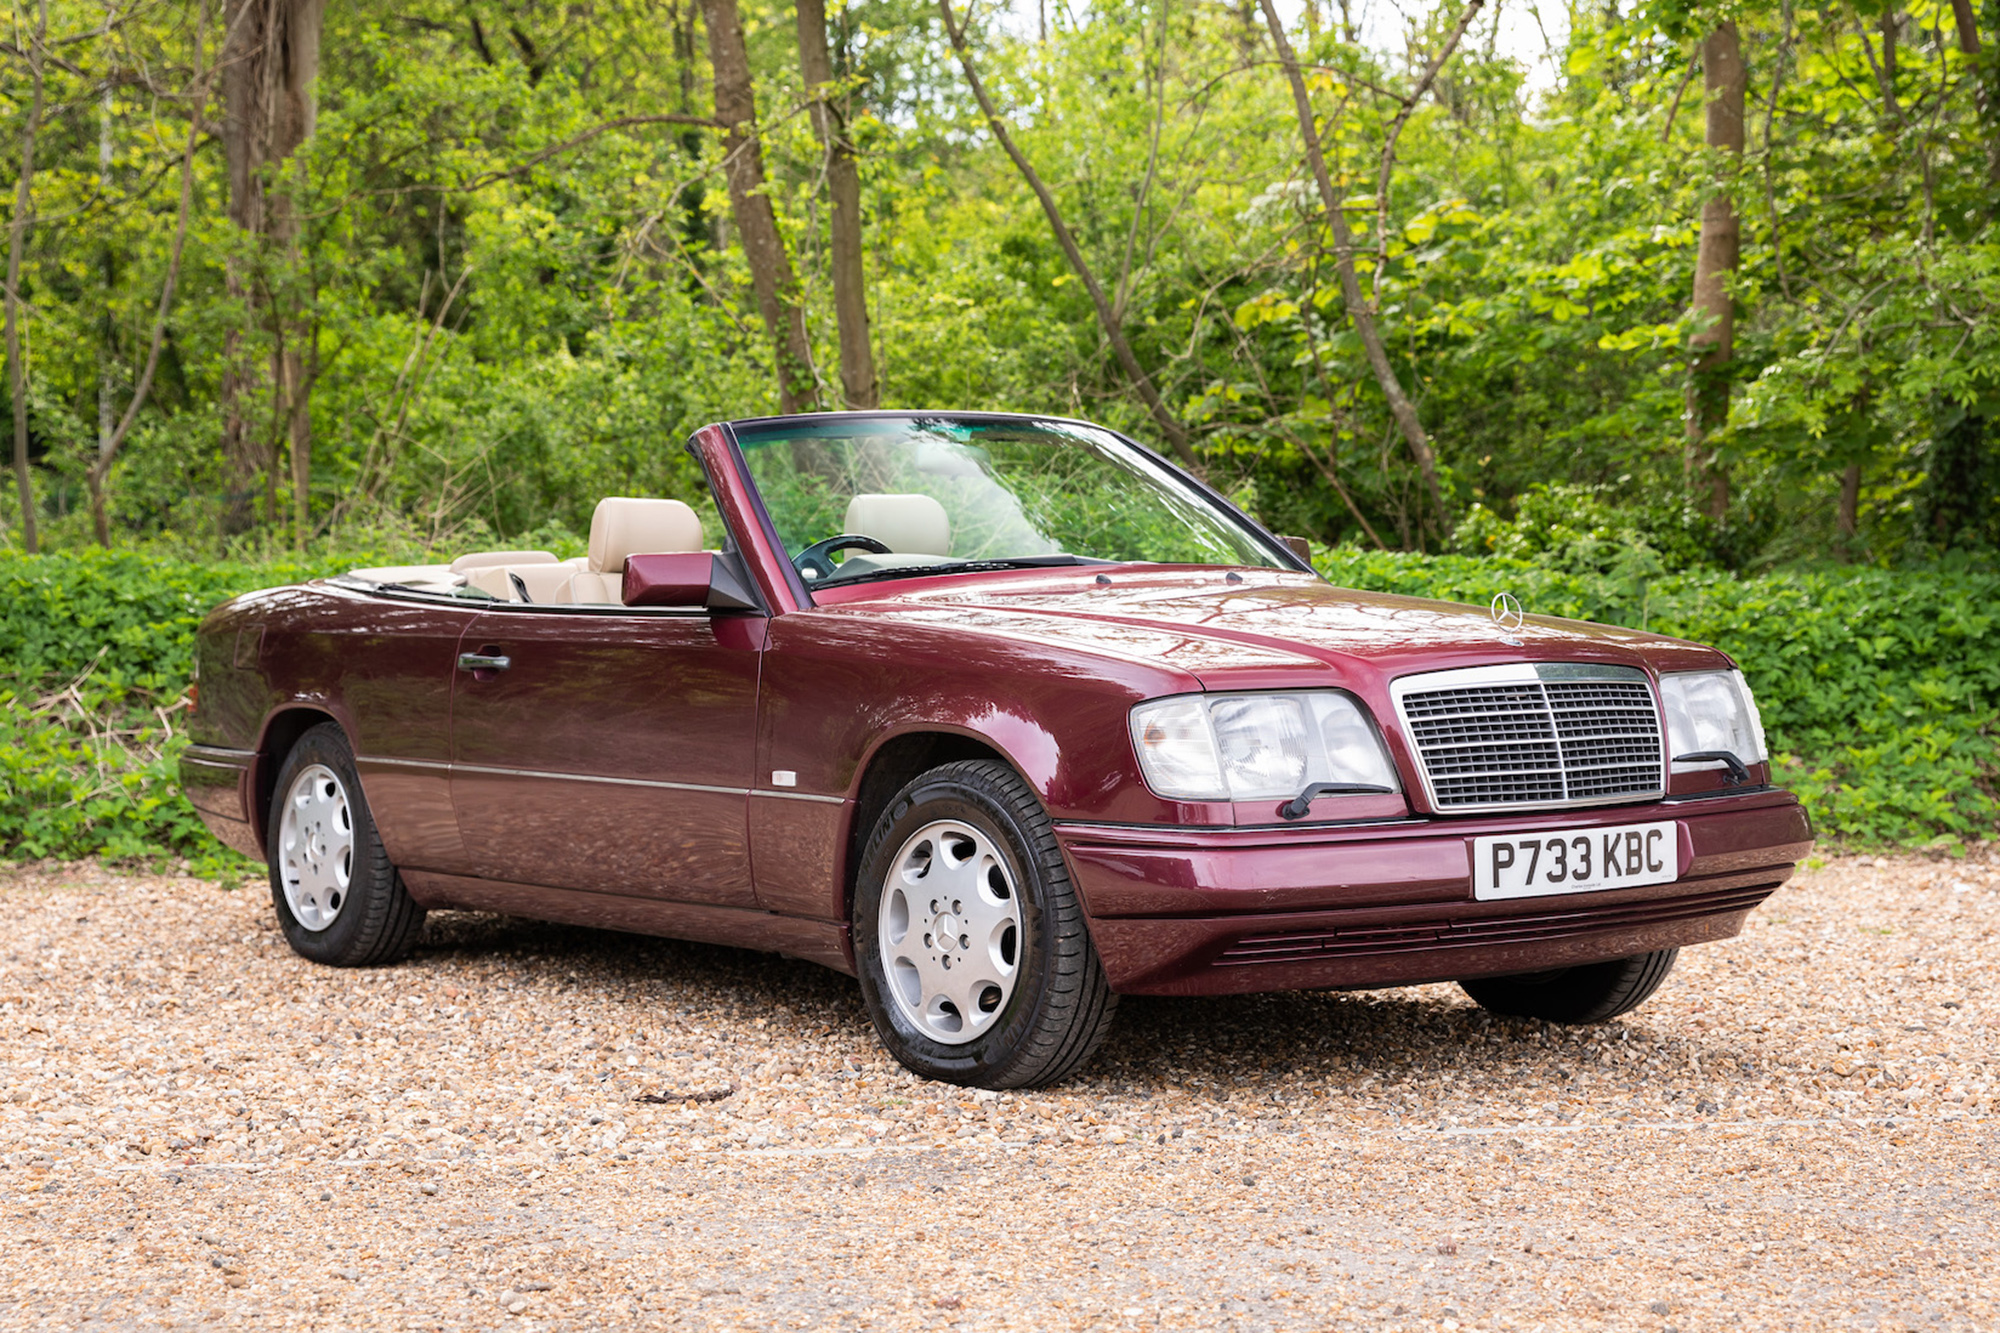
(273, 660)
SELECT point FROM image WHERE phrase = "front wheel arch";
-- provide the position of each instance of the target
(282, 732)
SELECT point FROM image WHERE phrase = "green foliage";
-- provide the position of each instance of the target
(1880, 689)
(95, 656)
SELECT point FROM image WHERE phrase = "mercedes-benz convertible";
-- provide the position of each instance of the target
(1005, 716)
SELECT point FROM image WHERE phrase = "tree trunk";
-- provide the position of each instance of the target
(1712, 345)
(17, 240)
(771, 276)
(843, 187)
(1849, 518)
(1358, 308)
(1107, 319)
(1968, 27)
(270, 58)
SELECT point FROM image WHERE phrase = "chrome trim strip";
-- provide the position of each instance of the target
(223, 757)
(491, 771)
(799, 796)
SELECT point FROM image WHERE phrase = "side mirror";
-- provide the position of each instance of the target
(687, 578)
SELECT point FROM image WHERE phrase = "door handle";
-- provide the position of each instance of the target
(478, 662)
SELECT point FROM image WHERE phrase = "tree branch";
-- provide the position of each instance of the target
(1358, 310)
(1395, 132)
(107, 451)
(1176, 433)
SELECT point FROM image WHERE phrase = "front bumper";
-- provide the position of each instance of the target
(1224, 911)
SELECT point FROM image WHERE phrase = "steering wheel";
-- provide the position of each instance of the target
(813, 564)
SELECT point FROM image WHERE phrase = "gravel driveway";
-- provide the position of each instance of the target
(199, 1129)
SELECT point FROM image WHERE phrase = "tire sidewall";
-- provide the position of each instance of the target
(986, 1059)
(327, 745)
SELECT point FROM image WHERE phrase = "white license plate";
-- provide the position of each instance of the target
(1575, 860)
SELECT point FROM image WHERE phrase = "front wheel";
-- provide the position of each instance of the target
(338, 898)
(975, 962)
(1591, 993)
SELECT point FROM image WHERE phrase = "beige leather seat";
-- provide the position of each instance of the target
(623, 526)
(424, 578)
(906, 524)
(546, 584)
(472, 560)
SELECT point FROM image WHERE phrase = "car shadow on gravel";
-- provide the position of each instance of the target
(702, 975)
(1272, 1042)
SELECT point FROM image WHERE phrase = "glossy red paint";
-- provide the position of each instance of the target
(708, 774)
(612, 754)
(669, 579)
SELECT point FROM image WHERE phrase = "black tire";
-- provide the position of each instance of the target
(1591, 993)
(1060, 1005)
(373, 920)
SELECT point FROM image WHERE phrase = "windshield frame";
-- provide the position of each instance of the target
(1144, 460)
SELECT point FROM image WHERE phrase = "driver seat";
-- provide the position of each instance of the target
(906, 524)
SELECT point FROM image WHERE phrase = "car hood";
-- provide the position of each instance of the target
(1267, 628)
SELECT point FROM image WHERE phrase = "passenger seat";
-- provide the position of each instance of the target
(906, 524)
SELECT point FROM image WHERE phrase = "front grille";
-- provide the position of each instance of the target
(1531, 736)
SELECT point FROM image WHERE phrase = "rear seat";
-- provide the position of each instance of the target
(472, 560)
(619, 526)
(546, 584)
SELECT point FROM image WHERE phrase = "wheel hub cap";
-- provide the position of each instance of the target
(950, 932)
(316, 847)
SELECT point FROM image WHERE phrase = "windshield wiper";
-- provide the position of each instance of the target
(1739, 772)
(963, 567)
(1297, 807)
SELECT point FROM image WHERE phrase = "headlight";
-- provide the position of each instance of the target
(1252, 747)
(1712, 710)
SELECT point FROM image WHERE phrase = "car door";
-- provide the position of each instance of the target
(608, 750)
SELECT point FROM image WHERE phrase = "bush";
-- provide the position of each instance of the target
(1880, 689)
(95, 655)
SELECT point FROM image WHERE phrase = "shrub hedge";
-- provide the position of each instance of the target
(95, 653)
(1880, 689)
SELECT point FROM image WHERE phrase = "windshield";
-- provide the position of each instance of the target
(927, 495)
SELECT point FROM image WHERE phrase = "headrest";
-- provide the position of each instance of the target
(622, 527)
(481, 559)
(907, 524)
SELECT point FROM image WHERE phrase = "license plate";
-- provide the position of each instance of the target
(1575, 861)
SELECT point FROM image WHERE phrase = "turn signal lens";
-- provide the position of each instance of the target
(1177, 751)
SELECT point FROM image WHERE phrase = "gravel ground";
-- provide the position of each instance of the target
(199, 1129)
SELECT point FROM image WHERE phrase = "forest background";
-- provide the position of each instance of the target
(1695, 331)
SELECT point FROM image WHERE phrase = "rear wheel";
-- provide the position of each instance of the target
(974, 958)
(339, 900)
(1591, 993)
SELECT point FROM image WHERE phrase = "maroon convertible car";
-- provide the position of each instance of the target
(1006, 717)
